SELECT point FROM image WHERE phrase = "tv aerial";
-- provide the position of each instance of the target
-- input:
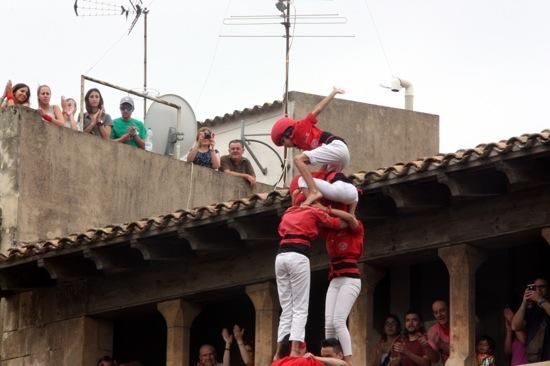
(163, 120)
(135, 9)
(284, 18)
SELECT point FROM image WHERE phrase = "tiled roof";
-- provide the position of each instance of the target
(524, 142)
(141, 227)
(481, 153)
(277, 104)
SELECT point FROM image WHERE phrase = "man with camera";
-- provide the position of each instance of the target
(126, 129)
(533, 316)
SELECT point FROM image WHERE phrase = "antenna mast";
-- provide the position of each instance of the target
(101, 8)
(284, 7)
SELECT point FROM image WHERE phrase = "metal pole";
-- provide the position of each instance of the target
(287, 38)
(145, 11)
(179, 127)
(287, 64)
(82, 101)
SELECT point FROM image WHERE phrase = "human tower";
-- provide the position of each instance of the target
(323, 205)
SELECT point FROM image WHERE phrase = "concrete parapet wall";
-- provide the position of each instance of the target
(55, 181)
(377, 136)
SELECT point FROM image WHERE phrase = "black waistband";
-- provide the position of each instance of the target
(294, 247)
(327, 138)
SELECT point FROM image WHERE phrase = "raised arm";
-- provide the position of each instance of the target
(322, 104)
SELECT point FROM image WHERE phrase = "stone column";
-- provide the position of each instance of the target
(362, 316)
(462, 261)
(266, 304)
(546, 234)
(179, 315)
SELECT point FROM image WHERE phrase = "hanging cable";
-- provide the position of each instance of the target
(379, 38)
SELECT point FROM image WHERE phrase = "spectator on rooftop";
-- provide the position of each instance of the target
(204, 153)
(96, 121)
(237, 165)
(126, 129)
(17, 94)
(390, 332)
(49, 113)
(69, 108)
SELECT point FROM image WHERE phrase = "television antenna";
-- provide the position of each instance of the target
(136, 9)
(284, 18)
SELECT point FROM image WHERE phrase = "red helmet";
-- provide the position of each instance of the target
(279, 129)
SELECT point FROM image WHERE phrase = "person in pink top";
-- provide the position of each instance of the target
(438, 334)
(514, 342)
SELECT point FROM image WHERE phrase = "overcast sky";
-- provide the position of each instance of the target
(482, 66)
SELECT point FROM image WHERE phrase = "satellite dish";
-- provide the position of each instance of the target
(162, 120)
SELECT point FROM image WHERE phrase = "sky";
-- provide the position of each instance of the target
(482, 66)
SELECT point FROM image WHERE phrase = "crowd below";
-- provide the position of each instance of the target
(125, 129)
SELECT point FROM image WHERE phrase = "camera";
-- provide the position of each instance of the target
(531, 287)
(208, 135)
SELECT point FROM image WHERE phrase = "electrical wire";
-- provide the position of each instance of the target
(379, 38)
(197, 103)
(105, 53)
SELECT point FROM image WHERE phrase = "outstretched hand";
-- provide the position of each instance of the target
(238, 332)
(228, 338)
(336, 90)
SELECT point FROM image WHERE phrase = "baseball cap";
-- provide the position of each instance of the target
(127, 100)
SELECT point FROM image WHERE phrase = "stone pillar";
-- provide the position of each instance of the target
(362, 315)
(462, 261)
(266, 305)
(546, 234)
(179, 315)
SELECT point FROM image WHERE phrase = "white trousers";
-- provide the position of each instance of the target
(335, 155)
(341, 295)
(338, 191)
(293, 279)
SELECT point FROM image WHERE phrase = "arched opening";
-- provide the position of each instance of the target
(222, 311)
(139, 334)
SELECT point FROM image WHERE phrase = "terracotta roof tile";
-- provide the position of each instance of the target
(173, 219)
(277, 104)
(179, 217)
(460, 157)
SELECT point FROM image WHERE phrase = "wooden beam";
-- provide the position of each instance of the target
(66, 268)
(251, 231)
(466, 221)
(464, 185)
(114, 260)
(23, 278)
(211, 239)
(416, 197)
(162, 248)
(525, 173)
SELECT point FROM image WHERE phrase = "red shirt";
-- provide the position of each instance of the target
(300, 225)
(306, 135)
(296, 361)
(344, 248)
(413, 346)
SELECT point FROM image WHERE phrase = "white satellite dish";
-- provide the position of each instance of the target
(162, 120)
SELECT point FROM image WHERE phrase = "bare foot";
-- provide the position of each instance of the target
(313, 196)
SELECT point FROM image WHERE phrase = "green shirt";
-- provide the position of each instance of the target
(120, 128)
